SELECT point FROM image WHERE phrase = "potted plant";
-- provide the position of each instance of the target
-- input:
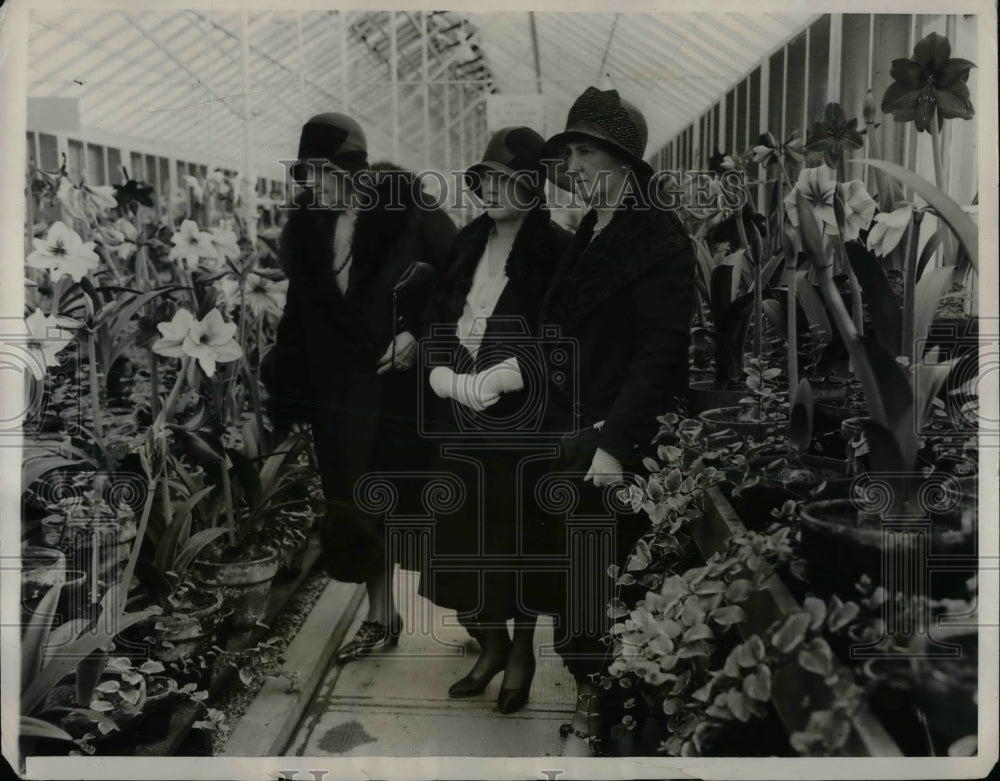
(758, 415)
(243, 563)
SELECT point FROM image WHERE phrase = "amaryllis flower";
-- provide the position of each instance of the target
(262, 295)
(859, 207)
(211, 340)
(834, 133)
(225, 242)
(928, 83)
(721, 161)
(46, 341)
(147, 326)
(85, 203)
(888, 229)
(132, 194)
(192, 244)
(818, 186)
(174, 332)
(195, 186)
(62, 251)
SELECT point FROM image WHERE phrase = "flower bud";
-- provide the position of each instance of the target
(868, 108)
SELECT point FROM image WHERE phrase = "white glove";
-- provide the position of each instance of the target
(504, 377)
(405, 353)
(604, 470)
(466, 389)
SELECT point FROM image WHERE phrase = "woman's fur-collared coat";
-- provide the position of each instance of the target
(322, 369)
(488, 525)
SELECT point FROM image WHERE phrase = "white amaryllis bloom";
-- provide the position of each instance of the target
(859, 208)
(888, 229)
(262, 296)
(86, 203)
(174, 332)
(195, 186)
(192, 244)
(46, 341)
(225, 242)
(818, 186)
(62, 251)
(211, 340)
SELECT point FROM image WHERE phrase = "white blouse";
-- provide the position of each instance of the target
(480, 303)
(342, 237)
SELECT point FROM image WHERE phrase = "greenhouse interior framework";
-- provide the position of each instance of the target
(792, 563)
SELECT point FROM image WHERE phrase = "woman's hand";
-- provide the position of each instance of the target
(504, 377)
(604, 470)
(406, 353)
(467, 389)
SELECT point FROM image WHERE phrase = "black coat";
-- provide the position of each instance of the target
(486, 521)
(626, 300)
(322, 369)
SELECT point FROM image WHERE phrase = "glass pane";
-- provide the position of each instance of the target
(775, 86)
(48, 151)
(854, 64)
(716, 114)
(95, 164)
(727, 146)
(115, 166)
(753, 102)
(151, 174)
(796, 85)
(29, 150)
(74, 160)
(819, 66)
(138, 170)
(891, 35)
(741, 119)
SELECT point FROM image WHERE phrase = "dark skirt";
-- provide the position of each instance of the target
(580, 532)
(370, 456)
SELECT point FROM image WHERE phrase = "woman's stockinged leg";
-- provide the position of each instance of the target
(520, 668)
(381, 605)
(495, 642)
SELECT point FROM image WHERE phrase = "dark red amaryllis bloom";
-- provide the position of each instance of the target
(834, 133)
(133, 192)
(928, 83)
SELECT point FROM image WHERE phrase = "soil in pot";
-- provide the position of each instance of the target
(782, 479)
(245, 584)
(828, 415)
(841, 543)
(161, 694)
(708, 394)
(733, 419)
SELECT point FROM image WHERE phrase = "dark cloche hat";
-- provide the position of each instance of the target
(606, 119)
(514, 151)
(334, 137)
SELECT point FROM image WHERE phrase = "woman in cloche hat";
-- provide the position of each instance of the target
(624, 293)
(345, 345)
(485, 319)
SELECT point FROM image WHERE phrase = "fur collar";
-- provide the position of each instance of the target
(633, 243)
(306, 249)
(532, 258)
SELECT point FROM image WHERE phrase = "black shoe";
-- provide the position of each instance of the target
(470, 686)
(371, 636)
(510, 700)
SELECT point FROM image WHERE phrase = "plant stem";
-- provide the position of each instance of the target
(949, 244)
(793, 336)
(910, 286)
(95, 399)
(757, 299)
(168, 409)
(154, 383)
(227, 492)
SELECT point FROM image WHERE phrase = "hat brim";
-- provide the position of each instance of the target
(554, 147)
(475, 172)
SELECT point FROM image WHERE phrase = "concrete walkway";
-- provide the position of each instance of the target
(397, 704)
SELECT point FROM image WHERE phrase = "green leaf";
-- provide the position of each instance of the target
(248, 478)
(817, 609)
(739, 590)
(750, 653)
(931, 287)
(738, 705)
(878, 296)
(947, 208)
(36, 635)
(698, 632)
(246, 676)
(177, 532)
(194, 546)
(617, 609)
(728, 615)
(792, 632)
(842, 615)
(101, 706)
(817, 657)
(37, 728)
(757, 687)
